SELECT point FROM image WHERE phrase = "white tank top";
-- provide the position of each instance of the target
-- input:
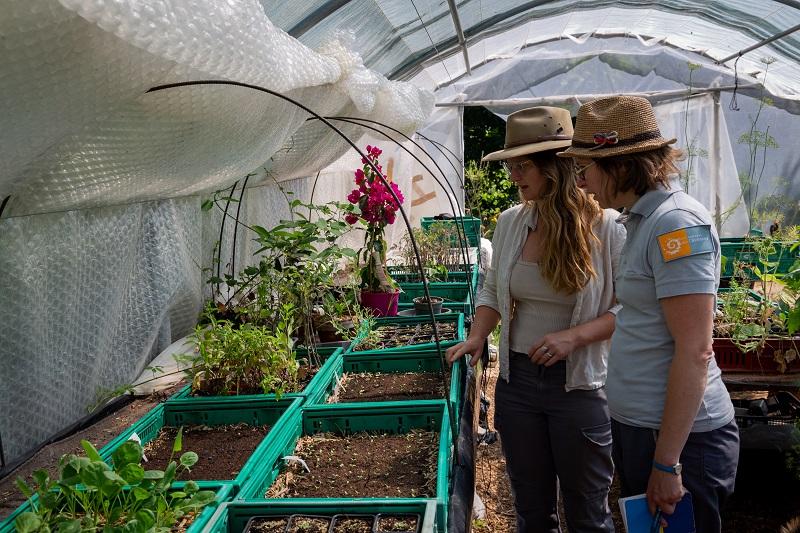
(538, 308)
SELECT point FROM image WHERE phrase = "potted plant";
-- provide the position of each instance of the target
(422, 307)
(756, 329)
(375, 208)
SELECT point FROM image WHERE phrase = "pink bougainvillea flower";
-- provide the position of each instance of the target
(350, 218)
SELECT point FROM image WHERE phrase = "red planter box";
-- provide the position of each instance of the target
(731, 359)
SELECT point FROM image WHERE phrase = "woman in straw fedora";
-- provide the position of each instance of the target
(672, 418)
(550, 285)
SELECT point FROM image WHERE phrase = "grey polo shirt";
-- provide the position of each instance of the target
(672, 249)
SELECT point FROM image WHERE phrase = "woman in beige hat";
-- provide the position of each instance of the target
(550, 285)
(672, 418)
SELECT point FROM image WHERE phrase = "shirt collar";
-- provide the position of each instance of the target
(650, 200)
(533, 219)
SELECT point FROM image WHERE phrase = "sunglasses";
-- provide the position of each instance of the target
(519, 166)
(579, 170)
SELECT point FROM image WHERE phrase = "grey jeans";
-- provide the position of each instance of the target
(709, 462)
(553, 437)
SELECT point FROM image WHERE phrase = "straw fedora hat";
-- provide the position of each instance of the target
(535, 129)
(615, 126)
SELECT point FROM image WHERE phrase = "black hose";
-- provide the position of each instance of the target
(3, 204)
(221, 230)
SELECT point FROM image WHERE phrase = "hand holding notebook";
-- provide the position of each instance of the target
(637, 518)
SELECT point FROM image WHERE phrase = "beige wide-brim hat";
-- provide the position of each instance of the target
(535, 129)
(617, 125)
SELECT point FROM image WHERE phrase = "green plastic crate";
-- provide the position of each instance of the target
(471, 227)
(225, 492)
(406, 274)
(412, 361)
(741, 249)
(463, 307)
(210, 411)
(458, 318)
(317, 389)
(233, 517)
(450, 291)
(346, 419)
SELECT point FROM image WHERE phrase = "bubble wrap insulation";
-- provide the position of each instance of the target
(100, 269)
(79, 132)
(86, 299)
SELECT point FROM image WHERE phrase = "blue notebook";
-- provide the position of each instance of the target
(637, 517)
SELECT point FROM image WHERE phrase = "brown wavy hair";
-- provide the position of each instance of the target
(641, 171)
(567, 216)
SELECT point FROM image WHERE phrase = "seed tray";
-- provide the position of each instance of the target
(414, 333)
(233, 517)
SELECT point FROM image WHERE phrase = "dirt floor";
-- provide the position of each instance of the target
(98, 434)
(766, 495)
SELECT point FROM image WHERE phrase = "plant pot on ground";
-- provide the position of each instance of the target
(422, 307)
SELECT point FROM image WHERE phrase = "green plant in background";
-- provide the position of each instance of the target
(750, 317)
(693, 151)
(92, 495)
(758, 142)
(487, 187)
(297, 262)
(438, 251)
(247, 359)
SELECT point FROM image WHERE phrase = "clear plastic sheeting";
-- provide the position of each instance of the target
(80, 132)
(87, 298)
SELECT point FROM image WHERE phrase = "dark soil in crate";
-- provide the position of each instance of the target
(312, 524)
(370, 387)
(402, 523)
(394, 336)
(222, 450)
(362, 466)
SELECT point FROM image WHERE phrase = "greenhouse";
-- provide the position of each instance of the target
(241, 242)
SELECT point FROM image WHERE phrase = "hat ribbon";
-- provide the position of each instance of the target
(611, 140)
(539, 139)
(605, 137)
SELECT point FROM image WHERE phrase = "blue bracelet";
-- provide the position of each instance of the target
(675, 470)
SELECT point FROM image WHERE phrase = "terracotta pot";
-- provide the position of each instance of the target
(381, 303)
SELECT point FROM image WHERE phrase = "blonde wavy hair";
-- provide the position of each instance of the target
(567, 216)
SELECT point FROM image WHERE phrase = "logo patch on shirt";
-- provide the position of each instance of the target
(685, 242)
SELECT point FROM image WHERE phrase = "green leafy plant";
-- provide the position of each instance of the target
(436, 250)
(297, 262)
(247, 359)
(116, 497)
(751, 317)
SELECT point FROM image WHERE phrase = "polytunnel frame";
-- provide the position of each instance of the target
(451, 413)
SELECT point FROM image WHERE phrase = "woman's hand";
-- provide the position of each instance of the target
(553, 347)
(664, 491)
(472, 346)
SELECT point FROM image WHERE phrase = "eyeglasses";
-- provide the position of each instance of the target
(519, 166)
(579, 170)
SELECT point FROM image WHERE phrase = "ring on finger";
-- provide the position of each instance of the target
(548, 355)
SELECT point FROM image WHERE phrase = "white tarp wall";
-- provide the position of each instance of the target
(102, 239)
(569, 72)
